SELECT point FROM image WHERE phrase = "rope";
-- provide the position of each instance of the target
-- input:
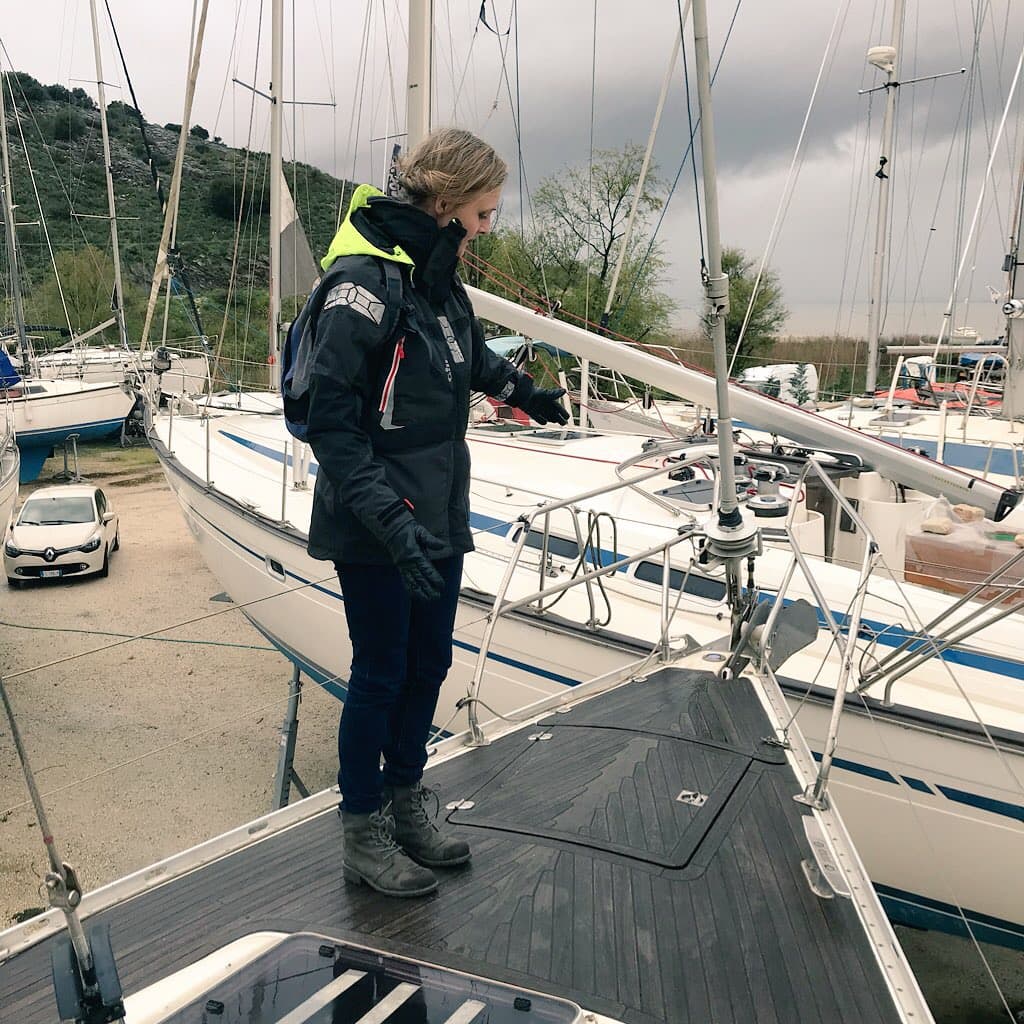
(155, 639)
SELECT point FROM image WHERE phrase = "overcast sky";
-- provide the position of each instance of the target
(560, 70)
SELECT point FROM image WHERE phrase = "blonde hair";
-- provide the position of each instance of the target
(451, 164)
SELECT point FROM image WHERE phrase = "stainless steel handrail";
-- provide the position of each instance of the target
(816, 794)
(501, 607)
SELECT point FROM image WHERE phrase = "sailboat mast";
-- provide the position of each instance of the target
(1014, 335)
(276, 172)
(421, 19)
(118, 300)
(12, 248)
(891, 67)
(716, 284)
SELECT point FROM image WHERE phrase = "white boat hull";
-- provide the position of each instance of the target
(963, 796)
(46, 413)
(10, 463)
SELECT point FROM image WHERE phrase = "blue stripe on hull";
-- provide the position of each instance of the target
(36, 445)
(887, 635)
(922, 912)
(971, 457)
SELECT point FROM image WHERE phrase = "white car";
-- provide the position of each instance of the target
(61, 531)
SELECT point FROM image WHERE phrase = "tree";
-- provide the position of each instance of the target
(120, 114)
(197, 131)
(80, 98)
(223, 198)
(568, 252)
(67, 125)
(767, 316)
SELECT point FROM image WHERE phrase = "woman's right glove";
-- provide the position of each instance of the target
(545, 405)
(411, 548)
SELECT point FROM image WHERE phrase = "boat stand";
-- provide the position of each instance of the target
(66, 475)
(286, 774)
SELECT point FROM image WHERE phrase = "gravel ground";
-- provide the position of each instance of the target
(148, 747)
(151, 746)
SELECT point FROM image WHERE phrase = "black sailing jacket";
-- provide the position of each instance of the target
(388, 410)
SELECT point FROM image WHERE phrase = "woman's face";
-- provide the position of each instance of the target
(476, 215)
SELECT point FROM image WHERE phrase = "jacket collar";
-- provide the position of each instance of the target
(377, 225)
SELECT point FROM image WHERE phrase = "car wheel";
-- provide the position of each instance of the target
(105, 569)
(117, 542)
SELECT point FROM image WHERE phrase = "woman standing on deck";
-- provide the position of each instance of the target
(397, 352)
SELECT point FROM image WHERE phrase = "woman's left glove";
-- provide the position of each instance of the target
(412, 548)
(544, 405)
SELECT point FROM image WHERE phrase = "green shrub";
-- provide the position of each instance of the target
(67, 125)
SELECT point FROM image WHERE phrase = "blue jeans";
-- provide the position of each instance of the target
(401, 653)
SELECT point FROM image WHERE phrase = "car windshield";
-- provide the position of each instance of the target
(57, 511)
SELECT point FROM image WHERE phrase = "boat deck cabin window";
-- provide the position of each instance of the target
(559, 546)
(696, 585)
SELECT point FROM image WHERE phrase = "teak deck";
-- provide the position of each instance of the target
(590, 880)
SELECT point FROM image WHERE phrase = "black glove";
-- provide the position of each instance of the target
(543, 405)
(411, 548)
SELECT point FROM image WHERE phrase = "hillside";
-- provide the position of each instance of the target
(61, 130)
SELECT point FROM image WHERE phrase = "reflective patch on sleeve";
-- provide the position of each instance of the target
(449, 337)
(359, 298)
(507, 390)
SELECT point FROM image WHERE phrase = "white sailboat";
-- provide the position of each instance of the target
(660, 847)
(244, 488)
(45, 413)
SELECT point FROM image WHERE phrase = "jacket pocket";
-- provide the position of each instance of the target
(423, 478)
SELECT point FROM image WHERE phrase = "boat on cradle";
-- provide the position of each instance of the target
(10, 464)
(913, 754)
(46, 413)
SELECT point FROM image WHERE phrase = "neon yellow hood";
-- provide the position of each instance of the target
(349, 242)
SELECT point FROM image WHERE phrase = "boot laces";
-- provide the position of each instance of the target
(421, 795)
(382, 831)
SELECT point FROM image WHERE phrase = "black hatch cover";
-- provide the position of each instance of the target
(637, 794)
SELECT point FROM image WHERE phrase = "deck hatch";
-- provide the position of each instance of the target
(306, 978)
(610, 790)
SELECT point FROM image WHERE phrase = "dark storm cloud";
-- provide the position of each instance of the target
(761, 95)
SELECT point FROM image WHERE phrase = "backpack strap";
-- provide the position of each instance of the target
(394, 286)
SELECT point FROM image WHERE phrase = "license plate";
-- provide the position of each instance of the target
(49, 572)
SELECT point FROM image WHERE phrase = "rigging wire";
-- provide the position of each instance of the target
(35, 189)
(175, 261)
(682, 165)
(233, 271)
(588, 251)
(791, 178)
